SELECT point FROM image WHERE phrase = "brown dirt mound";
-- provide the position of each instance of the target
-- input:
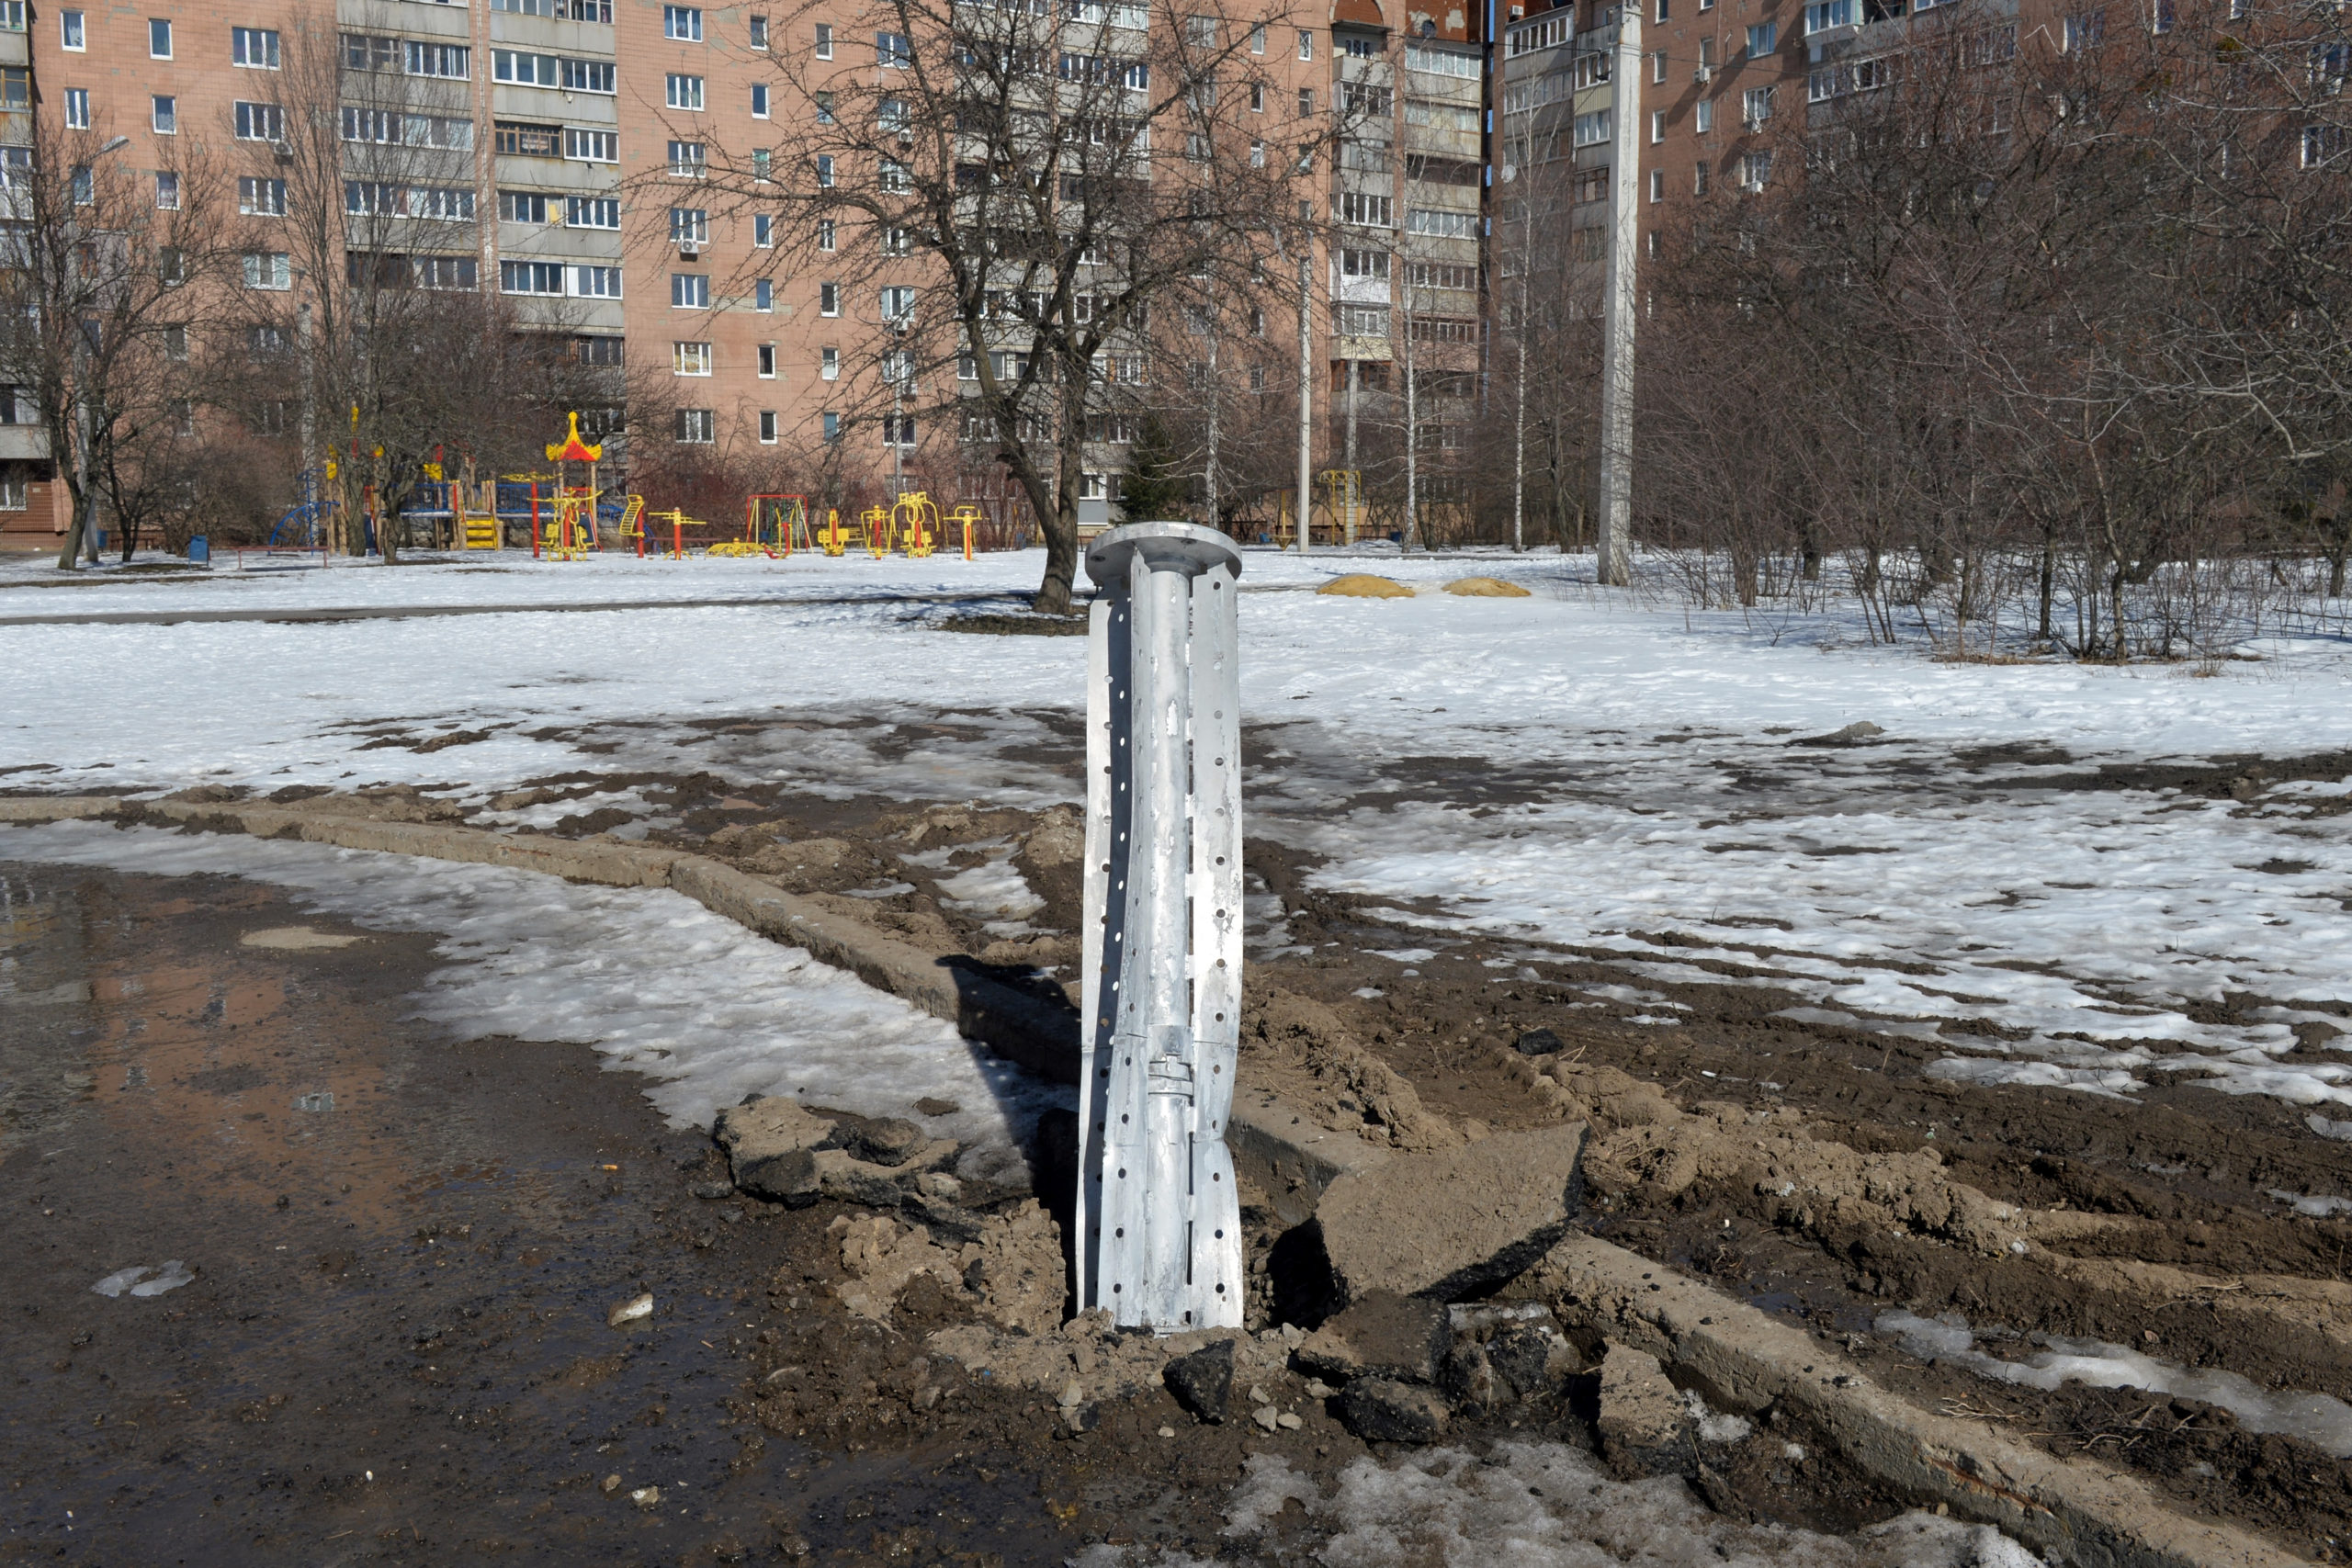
(1484, 588)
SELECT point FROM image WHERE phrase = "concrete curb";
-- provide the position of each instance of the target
(1017, 1026)
(1743, 1359)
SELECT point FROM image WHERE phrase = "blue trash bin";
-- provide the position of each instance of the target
(199, 551)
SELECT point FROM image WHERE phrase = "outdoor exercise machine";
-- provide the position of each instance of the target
(678, 523)
(836, 542)
(1159, 1227)
(915, 519)
(968, 516)
(876, 523)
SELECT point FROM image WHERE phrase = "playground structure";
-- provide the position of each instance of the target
(915, 520)
(774, 526)
(1343, 490)
(568, 532)
(304, 525)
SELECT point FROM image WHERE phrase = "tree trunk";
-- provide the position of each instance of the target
(2049, 584)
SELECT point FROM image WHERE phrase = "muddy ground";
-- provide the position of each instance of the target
(1813, 1169)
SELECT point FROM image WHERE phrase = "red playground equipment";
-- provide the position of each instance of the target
(568, 532)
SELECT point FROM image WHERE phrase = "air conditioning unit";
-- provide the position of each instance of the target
(1703, 74)
(689, 251)
(1517, 13)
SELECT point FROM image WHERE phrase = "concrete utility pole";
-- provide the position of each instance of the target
(1304, 510)
(1613, 561)
(1159, 1227)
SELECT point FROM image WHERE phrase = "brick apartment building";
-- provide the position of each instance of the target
(498, 144)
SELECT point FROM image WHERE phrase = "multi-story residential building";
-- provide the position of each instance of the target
(558, 151)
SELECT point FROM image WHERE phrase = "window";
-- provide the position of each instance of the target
(1657, 126)
(268, 269)
(763, 230)
(832, 421)
(697, 426)
(688, 160)
(689, 226)
(1755, 170)
(171, 266)
(762, 164)
(1094, 487)
(522, 206)
(69, 31)
(1702, 116)
(829, 367)
(690, 359)
(1657, 66)
(592, 146)
(767, 361)
(1657, 185)
(514, 139)
(165, 114)
(596, 282)
(762, 294)
(265, 343)
(824, 233)
(258, 197)
(824, 109)
(898, 304)
(2161, 16)
(1258, 39)
(1359, 48)
(601, 351)
(767, 427)
(1756, 107)
(683, 92)
(450, 204)
(1826, 14)
(1442, 221)
(83, 191)
(1590, 129)
(759, 32)
(689, 291)
(1364, 321)
(167, 191)
(1661, 10)
(1305, 102)
(1305, 44)
(453, 61)
(77, 109)
(259, 122)
(682, 22)
(892, 51)
(589, 77)
(15, 91)
(1762, 39)
(592, 212)
(2322, 145)
(2085, 30)
(1358, 263)
(759, 100)
(1364, 211)
(824, 40)
(175, 348)
(451, 273)
(824, 169)
(362, 51)
(1257, 154)
(1699, 180)
(159, 39)
(530, 277)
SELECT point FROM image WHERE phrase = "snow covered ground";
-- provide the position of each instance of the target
(1577, 766)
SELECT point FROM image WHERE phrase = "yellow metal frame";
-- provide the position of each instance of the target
(969, 517)
(878, 531)
(834, 541)
(915, 520)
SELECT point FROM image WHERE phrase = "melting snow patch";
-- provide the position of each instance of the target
(1547, 1505)
(1714, 1427)
(1404, 954)
(652, 981)
(135, 1280)
(2317, 1208)
(2324, 1422)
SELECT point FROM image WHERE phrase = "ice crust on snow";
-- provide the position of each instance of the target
(1535, 1504)
(2318, 1419)
(705, 1010)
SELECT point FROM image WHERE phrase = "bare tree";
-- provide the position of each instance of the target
(1012, 192)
